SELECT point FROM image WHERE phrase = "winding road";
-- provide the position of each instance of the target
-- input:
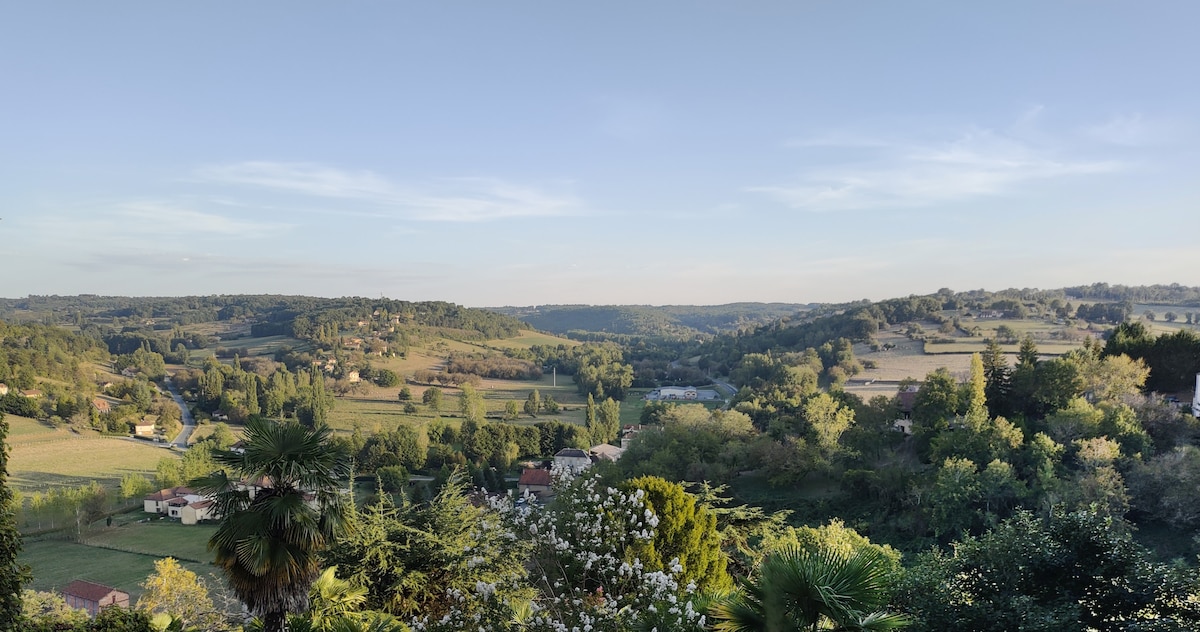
(189, 423)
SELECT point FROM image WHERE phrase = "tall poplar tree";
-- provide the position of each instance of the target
(977, 411)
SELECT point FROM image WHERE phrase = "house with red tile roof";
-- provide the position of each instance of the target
(92, 597)
(157, 502)
(193, 513)
(535, 481)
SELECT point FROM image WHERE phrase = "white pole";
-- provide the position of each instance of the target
(1196, 398)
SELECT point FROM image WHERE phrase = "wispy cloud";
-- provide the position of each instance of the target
(899, 175)
(1135, 130)
(444, 200)
(158, 217)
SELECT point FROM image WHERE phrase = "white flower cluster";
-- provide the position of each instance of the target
(584, 568)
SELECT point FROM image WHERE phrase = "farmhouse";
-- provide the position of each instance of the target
(193, 513)
(32, 393)
(101, 405)
(535, 481)
(158, 501)
(606, 452)
(572, 460)
(144, 427)
(92, 597)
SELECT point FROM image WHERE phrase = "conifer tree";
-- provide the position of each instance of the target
(12, 574)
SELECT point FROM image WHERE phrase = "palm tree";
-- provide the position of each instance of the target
(281, 502)
(797, 589)
(331, 599)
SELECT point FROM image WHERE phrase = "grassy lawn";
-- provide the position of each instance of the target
(56, 563)
(413, 361)
(528, 339)
(377, 408)
(375, 415)
(60, 457)
(564, 393)
(26, 428)
(265, 345)
(159, 538)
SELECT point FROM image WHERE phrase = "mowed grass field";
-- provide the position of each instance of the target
(378, 408)
(122, 555)
(56, 563)
(43, 456)
(529, 338)
(157, 537)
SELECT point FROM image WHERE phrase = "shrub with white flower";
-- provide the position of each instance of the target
(584, 568)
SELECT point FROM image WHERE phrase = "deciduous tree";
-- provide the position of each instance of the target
(174, 590)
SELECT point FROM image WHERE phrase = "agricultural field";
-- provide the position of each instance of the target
(43, 457)
(529, 338)
(915, 358)
(377, 408)
(265, 345)
(56, 563)
(135, 533)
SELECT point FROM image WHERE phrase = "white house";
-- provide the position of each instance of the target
(197, 511)
(144, 428)
(572, 460)
(157, 502)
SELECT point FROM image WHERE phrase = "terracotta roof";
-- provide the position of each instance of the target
(169, 493)
(177, 502)
(90, 591)
(534, 477)
(201, 504)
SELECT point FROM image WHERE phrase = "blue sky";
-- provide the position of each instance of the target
(621, 152)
